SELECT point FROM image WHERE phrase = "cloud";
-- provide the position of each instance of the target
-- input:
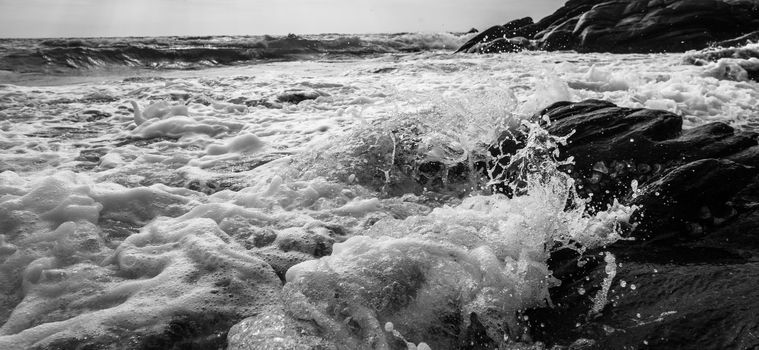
(45, 18)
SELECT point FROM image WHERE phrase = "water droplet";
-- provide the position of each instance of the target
(634, 186)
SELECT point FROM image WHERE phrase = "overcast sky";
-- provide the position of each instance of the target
(64, 18)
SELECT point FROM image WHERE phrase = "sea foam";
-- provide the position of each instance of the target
(241, 207)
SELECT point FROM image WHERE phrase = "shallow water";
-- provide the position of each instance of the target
(111, 229)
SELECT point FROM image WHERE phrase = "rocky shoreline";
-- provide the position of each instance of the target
(637, 26)
(686, 279)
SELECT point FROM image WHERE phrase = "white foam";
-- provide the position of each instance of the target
(488, 253)
(234, 194)
(177, 127)
(71, 265)
(239, 144)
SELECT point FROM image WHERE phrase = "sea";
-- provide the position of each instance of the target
(301, 192)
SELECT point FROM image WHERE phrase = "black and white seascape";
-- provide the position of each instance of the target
(588, 179)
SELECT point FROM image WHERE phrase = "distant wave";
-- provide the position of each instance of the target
(745, 52)
(733, 63)
(60, 55)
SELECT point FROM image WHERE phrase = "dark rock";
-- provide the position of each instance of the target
(603, 131)
(492, 33)
(518, 23)
(738, 234)
(637, 26)
(612, 146)
(472, 31)
(559, 37)
(501, 45)
(749, 156)
(663, 305)
(508, 30)
(571, 9)
(707, 141)
(297, 96)
(741, 40)
(520, 28)
(686, 195)
(684, 281)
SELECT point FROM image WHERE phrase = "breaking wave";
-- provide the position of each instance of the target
(50, 55)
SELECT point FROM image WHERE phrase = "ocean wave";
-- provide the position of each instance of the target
(738, 63)
(60, 55)
(744, 52)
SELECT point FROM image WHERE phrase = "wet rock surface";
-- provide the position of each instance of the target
(297, 96)
(630, 26)
(481, 42)
(684, 278)
(612, 146)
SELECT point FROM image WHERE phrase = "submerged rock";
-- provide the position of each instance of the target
(633, 26)
(296, 96)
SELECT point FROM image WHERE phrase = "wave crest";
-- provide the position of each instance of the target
(51, 55)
